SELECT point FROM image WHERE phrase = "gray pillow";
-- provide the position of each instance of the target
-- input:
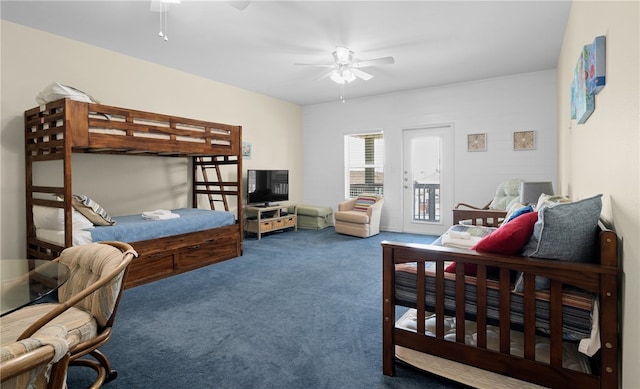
(566, 232)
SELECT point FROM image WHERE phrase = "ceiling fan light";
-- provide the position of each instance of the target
(337, 77)
(342, 76)
(348, 76)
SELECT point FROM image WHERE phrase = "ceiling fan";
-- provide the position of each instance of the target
(346, 68)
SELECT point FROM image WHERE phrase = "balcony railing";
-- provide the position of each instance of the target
(426, 199)
(356, 189)
(426, 202)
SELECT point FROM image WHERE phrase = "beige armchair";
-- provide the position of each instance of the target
(359, 216)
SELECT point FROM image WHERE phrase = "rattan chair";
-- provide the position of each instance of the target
(492, 214)
(87, 304)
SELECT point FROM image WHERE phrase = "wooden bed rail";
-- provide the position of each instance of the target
(600, 279)
(62, 125)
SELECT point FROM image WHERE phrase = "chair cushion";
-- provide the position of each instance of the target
(508, 192)
(37, 376)
(87, 264)
(352, 217)
(80, 325)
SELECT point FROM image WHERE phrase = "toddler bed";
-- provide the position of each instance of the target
(56, 130)
(497, 317)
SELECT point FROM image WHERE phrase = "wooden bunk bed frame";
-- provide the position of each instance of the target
(601, 279)
(56, 130)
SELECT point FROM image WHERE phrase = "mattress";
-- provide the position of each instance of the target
(576, 311)
(577, 306)
(571, 358)
(135, 228)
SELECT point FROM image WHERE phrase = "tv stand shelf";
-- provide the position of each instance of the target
(263, 219)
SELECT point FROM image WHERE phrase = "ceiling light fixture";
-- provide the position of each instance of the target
(342, 75)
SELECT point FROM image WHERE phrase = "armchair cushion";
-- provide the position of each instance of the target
(354, 216)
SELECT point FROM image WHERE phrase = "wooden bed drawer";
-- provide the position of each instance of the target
(198, 255)
(148, 267)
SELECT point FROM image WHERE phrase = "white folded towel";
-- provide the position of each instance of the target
(449, 241)
(459, 235)
(159, 214)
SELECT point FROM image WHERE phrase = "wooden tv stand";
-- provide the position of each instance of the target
(262, 219)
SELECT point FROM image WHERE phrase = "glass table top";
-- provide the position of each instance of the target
(25, 281)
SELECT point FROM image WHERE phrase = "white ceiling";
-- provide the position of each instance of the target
(433, 42)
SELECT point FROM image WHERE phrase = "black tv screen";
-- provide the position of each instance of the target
(267, 186)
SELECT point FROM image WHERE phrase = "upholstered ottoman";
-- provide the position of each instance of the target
(314, 218)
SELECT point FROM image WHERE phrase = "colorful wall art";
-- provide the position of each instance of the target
(588, 80)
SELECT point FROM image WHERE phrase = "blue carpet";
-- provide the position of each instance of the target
(297, 310)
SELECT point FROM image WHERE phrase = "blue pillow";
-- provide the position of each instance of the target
(566, 232)
(519, 212)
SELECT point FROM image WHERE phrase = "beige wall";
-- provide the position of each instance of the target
(32, 59)
(601, 155)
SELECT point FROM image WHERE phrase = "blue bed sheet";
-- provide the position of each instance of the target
(135, 228)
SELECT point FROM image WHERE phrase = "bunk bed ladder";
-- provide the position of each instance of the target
(204, 165)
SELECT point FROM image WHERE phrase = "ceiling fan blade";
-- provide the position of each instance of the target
(374, 62)
(361, 75)
(321, 65)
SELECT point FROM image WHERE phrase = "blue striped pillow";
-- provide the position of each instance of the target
(91, 210)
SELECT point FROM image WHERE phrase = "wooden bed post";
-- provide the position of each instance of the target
(610, 371)
(388, 312)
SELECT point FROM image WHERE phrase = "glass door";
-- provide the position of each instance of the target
(427, 182)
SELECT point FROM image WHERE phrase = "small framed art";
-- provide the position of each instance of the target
(477, 142)
(524, 140)
(246, 150)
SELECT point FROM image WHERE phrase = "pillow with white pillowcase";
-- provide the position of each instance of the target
(53, 218)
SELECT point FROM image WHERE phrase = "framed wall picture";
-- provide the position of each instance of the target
(246, 150)
(524, 140)
(477, 142)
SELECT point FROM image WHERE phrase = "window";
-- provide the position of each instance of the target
(364, 164)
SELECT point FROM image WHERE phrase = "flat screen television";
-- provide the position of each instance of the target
(267, 186)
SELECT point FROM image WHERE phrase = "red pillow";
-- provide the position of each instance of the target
(511, 237)
(470, 269)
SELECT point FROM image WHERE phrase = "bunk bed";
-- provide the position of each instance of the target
(471, 324)
(56, 130)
